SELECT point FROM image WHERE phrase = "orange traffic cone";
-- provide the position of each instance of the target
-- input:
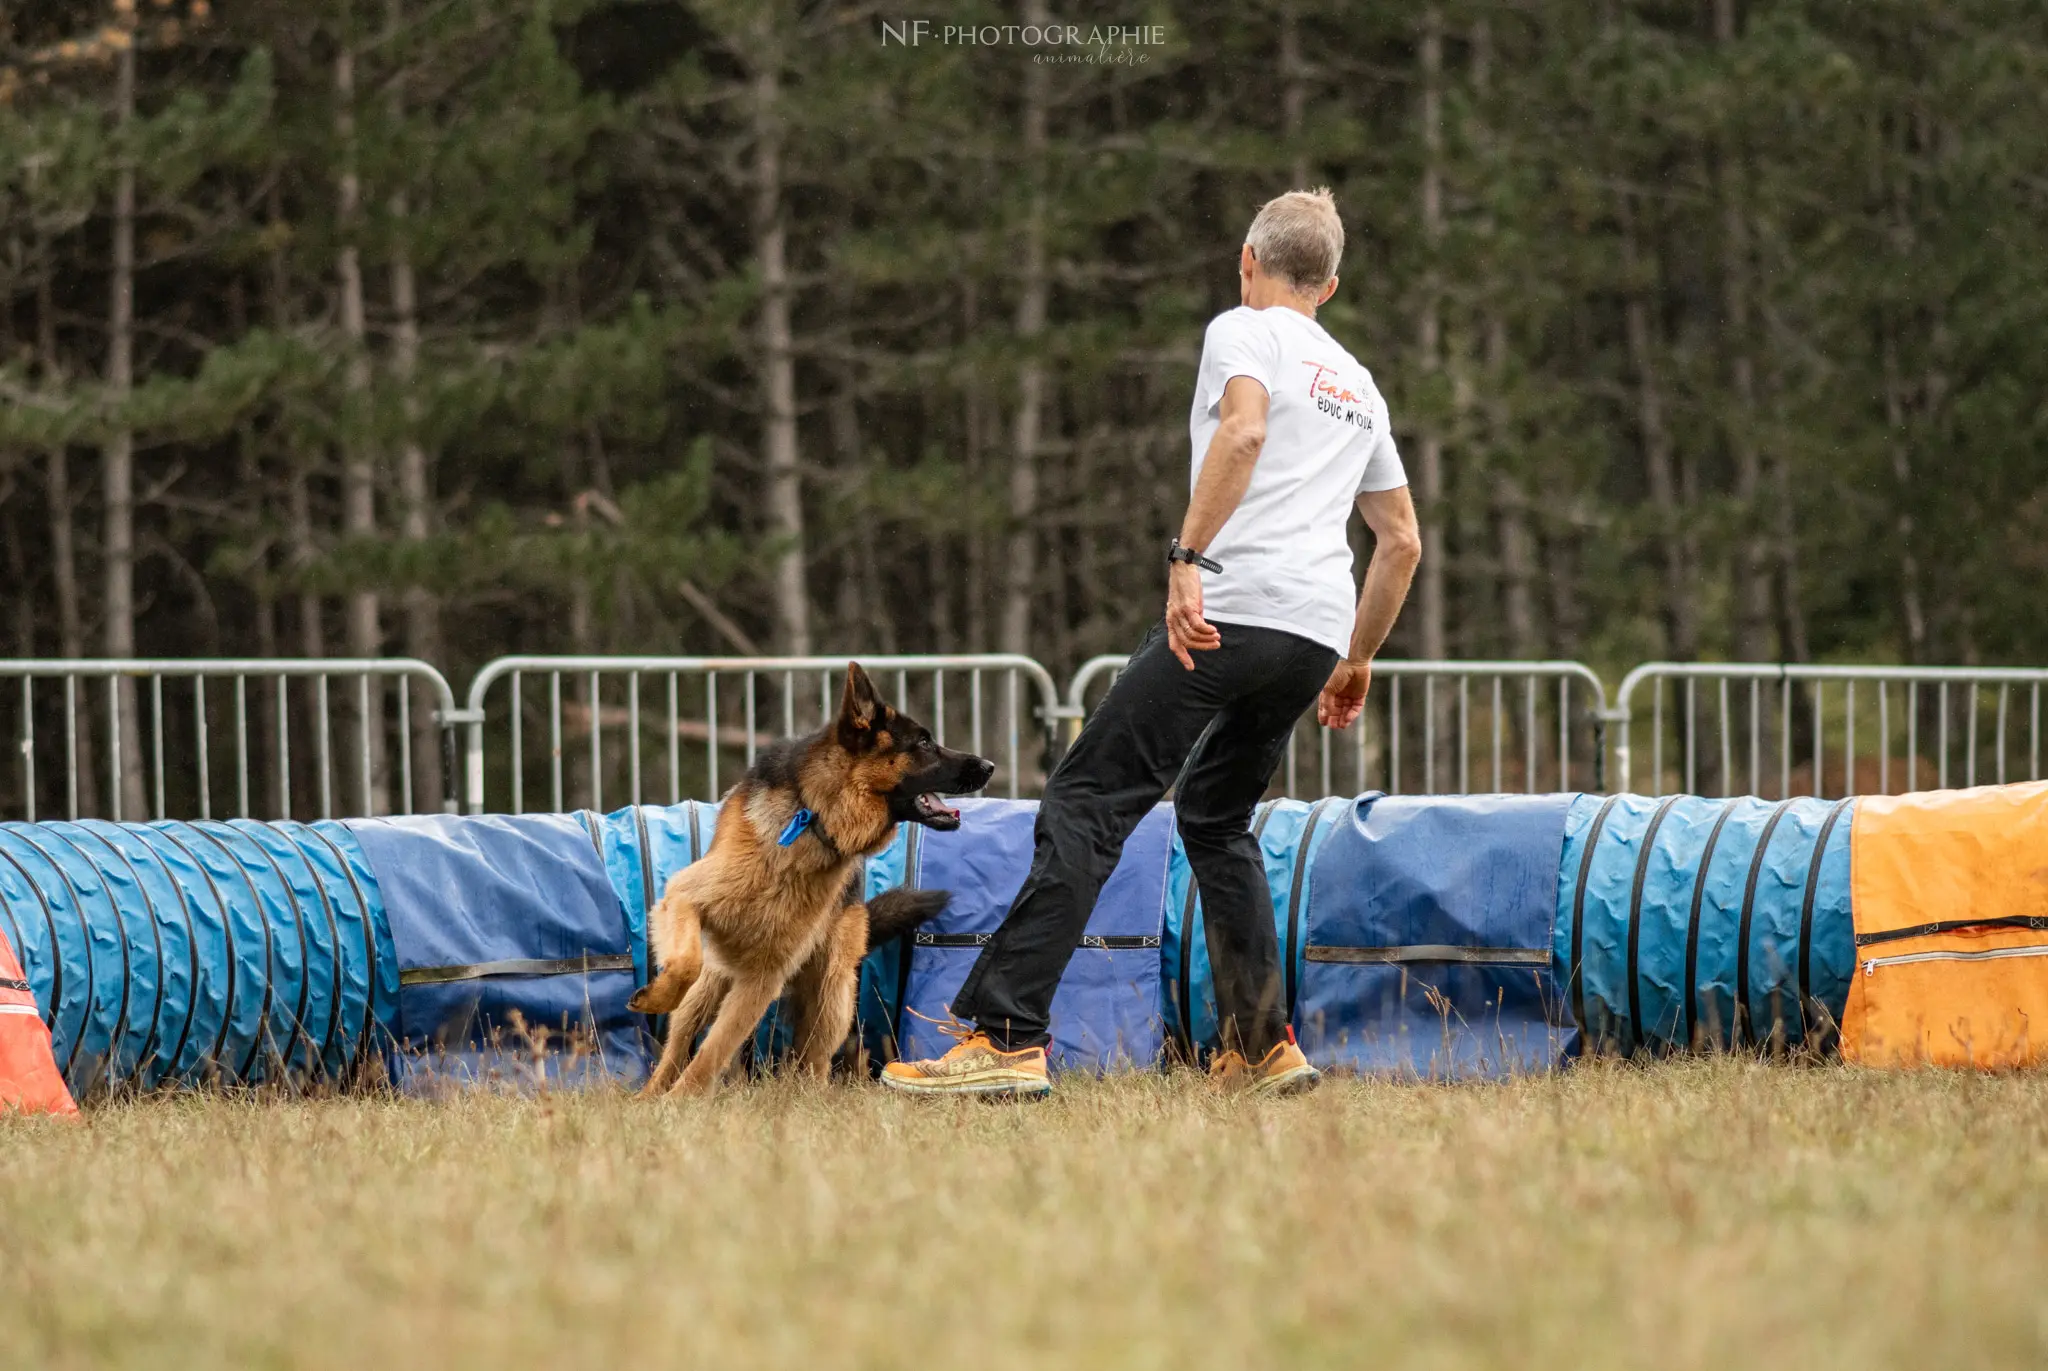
(29, 1079)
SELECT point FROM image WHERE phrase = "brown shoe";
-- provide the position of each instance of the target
(1283, 1071)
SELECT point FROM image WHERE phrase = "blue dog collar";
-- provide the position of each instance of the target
(794, 829)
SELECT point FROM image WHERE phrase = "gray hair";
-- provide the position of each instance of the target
(1298, 237)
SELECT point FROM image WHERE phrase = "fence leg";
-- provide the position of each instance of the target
(451, 778)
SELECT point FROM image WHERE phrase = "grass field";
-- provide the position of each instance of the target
(1707, 1214)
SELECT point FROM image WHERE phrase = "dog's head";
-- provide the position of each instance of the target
(897, 758)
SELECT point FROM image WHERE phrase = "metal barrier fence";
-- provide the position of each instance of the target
(322, 737)
(709, 716)
(189, 751)
(1517, 725)
(1759, 714)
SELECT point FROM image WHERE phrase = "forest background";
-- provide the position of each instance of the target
(455, 328)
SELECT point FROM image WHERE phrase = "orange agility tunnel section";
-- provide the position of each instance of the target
(1950, 897)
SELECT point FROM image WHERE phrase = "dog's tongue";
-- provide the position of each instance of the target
(932, 807)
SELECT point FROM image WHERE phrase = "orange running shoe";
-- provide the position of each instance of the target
(1283, 1071)
(973, 1066)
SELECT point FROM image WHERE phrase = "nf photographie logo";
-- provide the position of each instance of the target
(1094, 43)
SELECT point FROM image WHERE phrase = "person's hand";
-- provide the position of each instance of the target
(1186, 629)
(1343, 698)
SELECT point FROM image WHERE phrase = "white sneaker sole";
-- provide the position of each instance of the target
(1299, 1081)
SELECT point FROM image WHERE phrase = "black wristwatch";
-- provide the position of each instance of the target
(1177, 553)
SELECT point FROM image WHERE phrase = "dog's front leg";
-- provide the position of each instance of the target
(684, 1025)
(825, 991)
(744, 1004)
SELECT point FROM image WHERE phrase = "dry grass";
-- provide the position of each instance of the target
(1710, 1214)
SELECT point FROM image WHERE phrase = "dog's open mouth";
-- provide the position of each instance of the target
(934, 812)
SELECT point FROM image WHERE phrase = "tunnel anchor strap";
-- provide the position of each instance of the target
(1106, 942)
(1429, 952)
(517, 966)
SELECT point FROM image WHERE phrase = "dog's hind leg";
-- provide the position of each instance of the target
(683, 1027)
(825, 991)
(744, 1004)
(679, 941)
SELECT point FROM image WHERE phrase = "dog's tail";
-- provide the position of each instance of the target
(893, 913)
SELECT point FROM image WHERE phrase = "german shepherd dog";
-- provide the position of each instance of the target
(773, 904)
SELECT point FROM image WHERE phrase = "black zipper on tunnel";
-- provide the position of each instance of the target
(1692, 931)
(1635, 922)
(1101, 942)
(1820, 848)
(2032, 922)
(1577, 975)
(1741, 1027)
(1308, 833)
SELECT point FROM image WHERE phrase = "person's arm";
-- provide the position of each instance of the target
(1226, 475)
(1397, 549)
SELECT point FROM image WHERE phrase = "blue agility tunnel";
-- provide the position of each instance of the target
(1422, 937)
(206, 953)
(1684, 922)
(1428, 938)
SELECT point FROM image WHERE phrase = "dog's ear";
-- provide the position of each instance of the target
(859, 709)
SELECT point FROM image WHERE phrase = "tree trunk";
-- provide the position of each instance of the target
(1888, 197)
(1672, 532)
(778, 360)
(1911, 605)
(972, 421)
(359, 470)
(1511, 506)
(1293, 94)
(861, 619)
(63, 542)
(117, 457)
(1020, 571)
(1752, 570)
(415, 482)
(299, 545)
(1509, 495)
(1431, 584)
(16, 544)
(415, 498)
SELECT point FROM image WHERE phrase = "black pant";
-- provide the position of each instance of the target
(1235, 711)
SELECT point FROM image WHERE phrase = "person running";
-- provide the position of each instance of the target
(1288, 432)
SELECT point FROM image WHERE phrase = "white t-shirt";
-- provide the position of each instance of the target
(1286, 563)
